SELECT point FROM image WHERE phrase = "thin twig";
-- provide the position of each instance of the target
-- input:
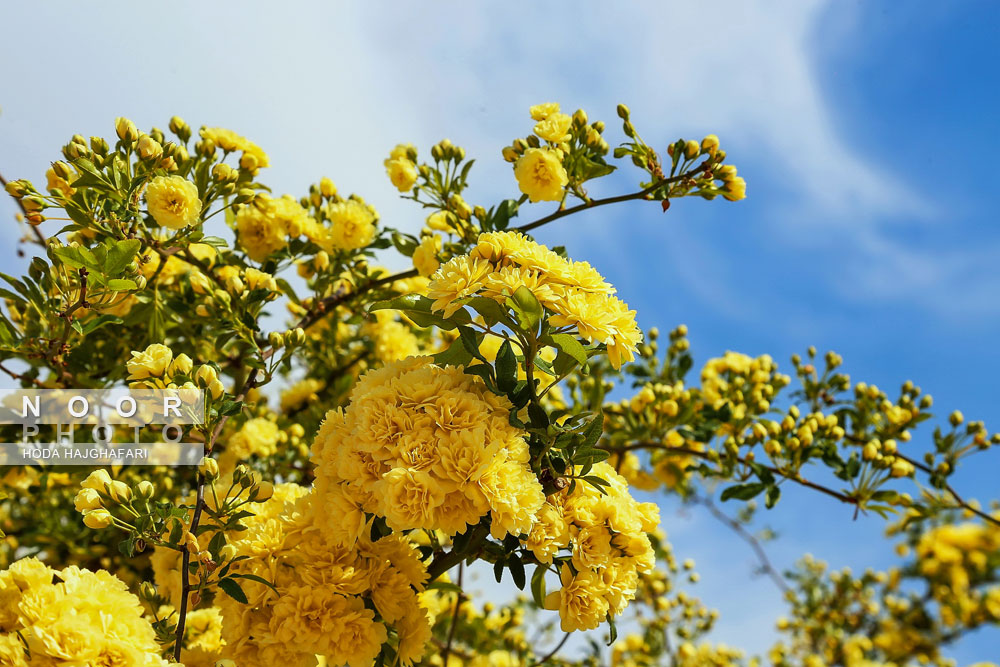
(459, 597)
(798, 479)
(551, 654)
(765, 562)
(594, 203)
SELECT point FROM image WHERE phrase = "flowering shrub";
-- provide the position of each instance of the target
(496, 404)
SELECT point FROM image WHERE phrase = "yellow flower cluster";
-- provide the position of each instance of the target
(264, 226)
(173, 201)
(252, 158)
(332, 600)
(425, 447)
(539, 170)
(575, 292)
(257, 437)
(393, 340)
(401, 168)
(748, 384)
(154, 368)
(950, 553)
(606, 534)
(300, 393)
(71, 617)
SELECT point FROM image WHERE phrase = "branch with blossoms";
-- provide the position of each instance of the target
(451, 413)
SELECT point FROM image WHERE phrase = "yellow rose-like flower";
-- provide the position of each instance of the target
(402, 172)
(554, 128)
(151, 362)
(300, 393)
(173, 201)
(72, 616)
(457, 459)
(425, 259)
(540, 175)
(542, 111)
(353, 225)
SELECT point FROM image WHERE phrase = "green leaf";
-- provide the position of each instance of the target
(69, 256)
(506, 368)
(100, 321)
(418, 309)
(455, 355)
(743, 491)
(214, 241)
(258, 579)
(773, 493)
(119, 255)
(233, 590)
(491, 311)
(592, 433)
(538, 585)
(471, 342)
(122, 284)
(526, 307)
(571, 346)
(516, 568)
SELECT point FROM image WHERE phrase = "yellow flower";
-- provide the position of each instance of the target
(543, 111)
(442, 221)
(173, 201)
(151, 362)
(402, 173)
(736, 189)
(301, 392)
(424, 447)
(353, 225)
(579, 604)
(425, 259)
(554, 128)
(540, 175)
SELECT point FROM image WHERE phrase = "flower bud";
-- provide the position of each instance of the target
(180, 128)
(580, 118)
(623, 112)
(86, 500)
(126, 130)
(140, 282)
(235, 285)
(240, 472)
(222, 296)
(149, 148)
(145, 489)
(99, 145)
(206, 375)
(223, 173)
(249, 162)
(216, 388)
(321, 261)
(147, 591)
(99, 480)
(275, 340)
(956, 418)
(295, 337)
(248, 479)
(209, 468)
(181, 364)
(264, 491)
(97, 519)
(227, 553)
(691, 149)
(191, 543)
(120, 492)
(327, 188)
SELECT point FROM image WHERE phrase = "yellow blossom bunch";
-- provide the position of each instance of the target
(325, 598)
(423, 446)
(264, 226)
(604, 529)
(71, 616)
(576, 294)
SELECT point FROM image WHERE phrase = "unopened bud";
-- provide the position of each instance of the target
(209, 468)
(275, 340)
(126, 130)
(145, 489)
(147, 591)
(623, 112)
(264, 491)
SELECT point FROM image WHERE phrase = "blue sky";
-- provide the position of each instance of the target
(865, 132)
